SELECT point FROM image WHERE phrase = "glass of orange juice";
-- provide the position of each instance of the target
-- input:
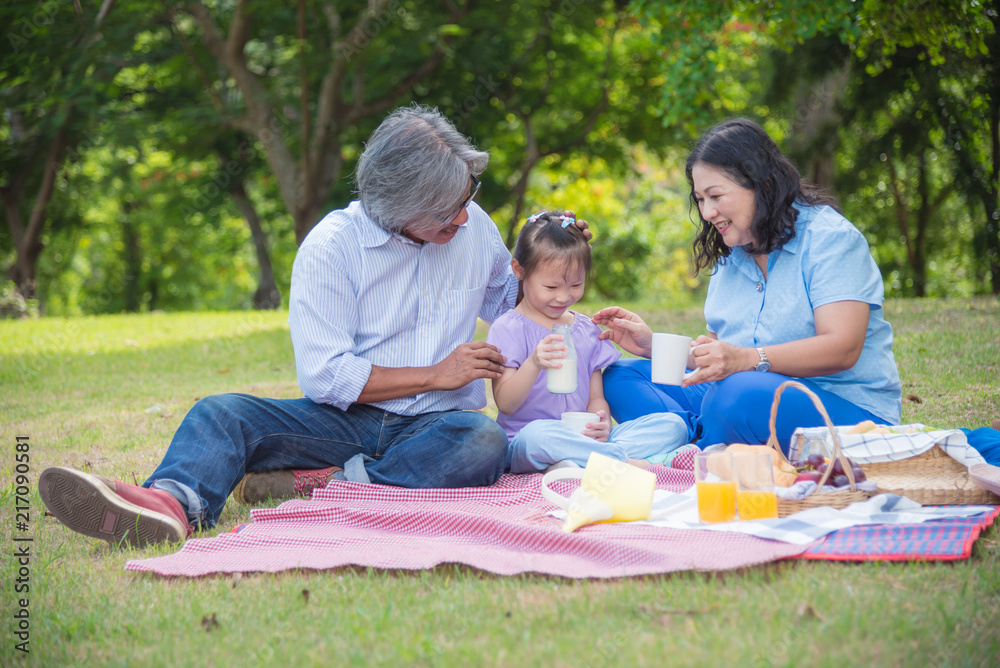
(715, 486)
(754, 477)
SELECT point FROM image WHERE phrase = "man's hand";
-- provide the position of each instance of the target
(467, 363)
(582, 224)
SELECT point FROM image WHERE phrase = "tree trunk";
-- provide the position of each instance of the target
(267, 296)
(23, 271)
(132, 257)
(29, 242)
(993, 206)
(304, 180)
(926, 209)
(924, 214)
(813, 137)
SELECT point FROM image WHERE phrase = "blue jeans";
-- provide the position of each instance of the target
(542, 443)
(736, 409)
(225, 436)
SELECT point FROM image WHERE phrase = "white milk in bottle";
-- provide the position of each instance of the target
(563, 379)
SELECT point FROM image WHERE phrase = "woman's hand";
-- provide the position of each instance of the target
(715, 360)
(549, 352)
(599, 431)
(626, 329)
(840, 338)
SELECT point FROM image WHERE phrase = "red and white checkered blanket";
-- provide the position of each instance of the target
(504, 529)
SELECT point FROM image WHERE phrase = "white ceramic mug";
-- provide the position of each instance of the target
(670, 354)
(578, 421)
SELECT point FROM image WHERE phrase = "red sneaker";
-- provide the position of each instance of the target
(113, 511)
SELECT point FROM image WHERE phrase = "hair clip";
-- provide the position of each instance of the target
(535, 216)
(567, 221)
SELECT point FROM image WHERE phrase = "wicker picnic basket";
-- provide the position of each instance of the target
(931, 479)
(839, 499)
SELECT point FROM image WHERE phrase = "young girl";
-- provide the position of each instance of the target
(551, 260)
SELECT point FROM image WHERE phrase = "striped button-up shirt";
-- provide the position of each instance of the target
(361, 297)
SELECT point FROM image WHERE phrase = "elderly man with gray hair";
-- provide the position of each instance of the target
(384, 299)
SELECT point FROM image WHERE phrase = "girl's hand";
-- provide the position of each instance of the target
(626, 329)
(549, 352)
(717, 360)
(599, 431)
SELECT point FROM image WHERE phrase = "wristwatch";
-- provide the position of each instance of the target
(765, 364)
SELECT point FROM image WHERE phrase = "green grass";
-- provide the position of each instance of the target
(106, 394)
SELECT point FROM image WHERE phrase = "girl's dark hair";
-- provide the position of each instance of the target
(748, 155)
(543, 238)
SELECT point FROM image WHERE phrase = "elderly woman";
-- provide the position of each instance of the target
(794, 293)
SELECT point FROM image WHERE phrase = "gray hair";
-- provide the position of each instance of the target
(416, 166)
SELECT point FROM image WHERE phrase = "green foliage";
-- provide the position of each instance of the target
(639, 219)
(147, 193)
(583, 105)
(922, 95)
(160, 233)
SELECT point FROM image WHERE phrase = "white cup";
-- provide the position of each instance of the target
(670, 354)
(577, 422)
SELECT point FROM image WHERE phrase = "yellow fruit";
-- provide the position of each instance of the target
(784, 478)
(862, 427)
(745, 449)
(718, 465)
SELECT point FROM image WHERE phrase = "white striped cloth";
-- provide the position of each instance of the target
(361, 297)
(876, 448)
(680, 511)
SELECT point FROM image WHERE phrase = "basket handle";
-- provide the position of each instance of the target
(838, 452)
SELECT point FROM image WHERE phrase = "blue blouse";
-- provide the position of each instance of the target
(827, 261)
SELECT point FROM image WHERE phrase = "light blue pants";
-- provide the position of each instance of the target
(544, 442)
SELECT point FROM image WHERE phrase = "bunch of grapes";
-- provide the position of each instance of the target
(816, 465)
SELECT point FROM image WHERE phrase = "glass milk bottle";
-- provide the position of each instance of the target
(563, 379)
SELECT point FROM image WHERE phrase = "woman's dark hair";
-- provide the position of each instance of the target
(544, 238)
(748, 156)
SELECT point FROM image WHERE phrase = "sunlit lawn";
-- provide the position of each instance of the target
(106, 394)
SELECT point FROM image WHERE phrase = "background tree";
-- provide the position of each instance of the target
(56, 77)
(550, 81)
(191, 145)
(302, 78)
(958, 40)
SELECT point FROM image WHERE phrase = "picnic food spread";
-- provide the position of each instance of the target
(813, 468)
(784, 473)
(788, 473)
(869, 427)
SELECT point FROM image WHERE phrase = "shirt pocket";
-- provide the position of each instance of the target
(459, 310)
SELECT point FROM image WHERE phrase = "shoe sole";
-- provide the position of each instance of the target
(260, 487)
(86, 505)
(253, 495)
